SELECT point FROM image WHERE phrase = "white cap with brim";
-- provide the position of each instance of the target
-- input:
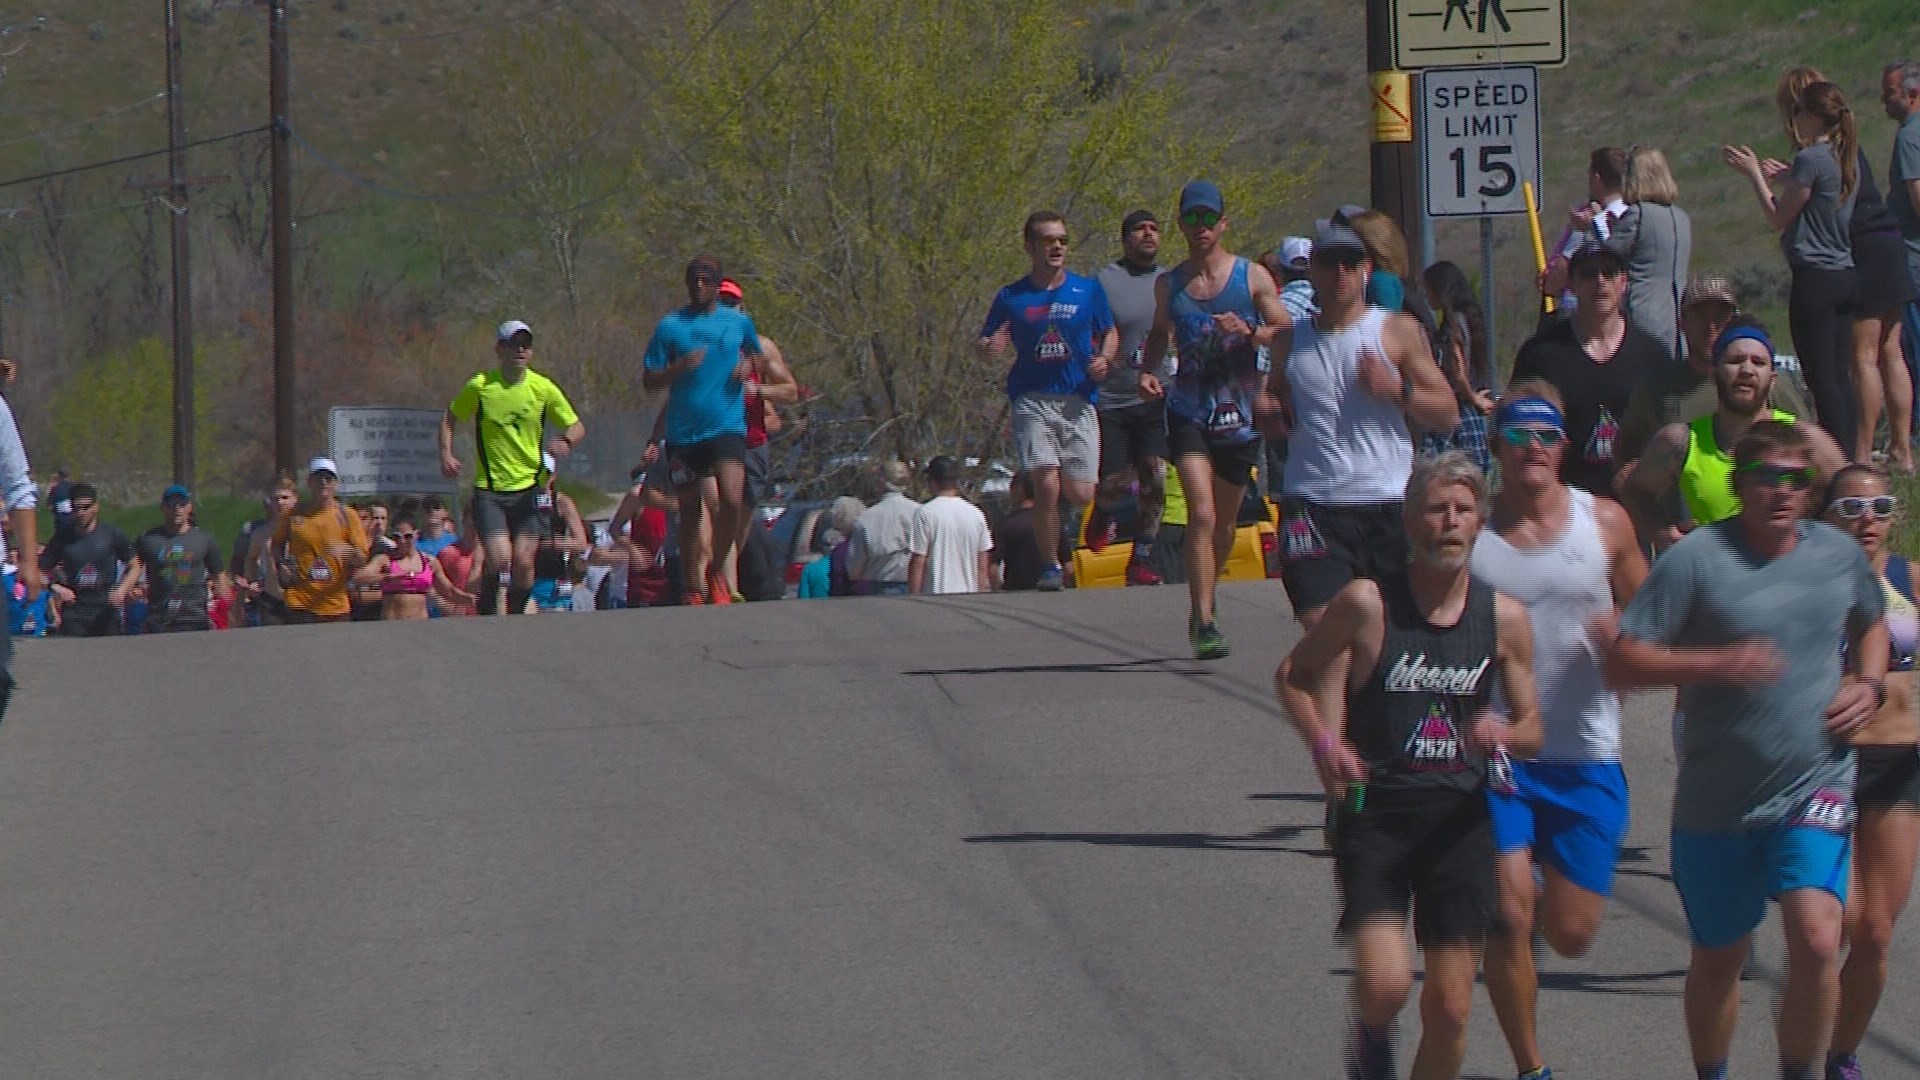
(322, 465)
(1296, 252)
(511, 327)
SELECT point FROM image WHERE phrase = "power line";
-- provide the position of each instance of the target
(96, 118)
(109, 163)
(21, 216)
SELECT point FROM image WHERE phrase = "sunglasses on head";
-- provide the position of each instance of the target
(1532, 436)
(1795, 478)
(1855, 507)
(1200, 218)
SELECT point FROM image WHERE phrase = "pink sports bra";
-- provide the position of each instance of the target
(400, 583)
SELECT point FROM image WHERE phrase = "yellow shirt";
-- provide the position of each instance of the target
(511, 422)
(309, 537)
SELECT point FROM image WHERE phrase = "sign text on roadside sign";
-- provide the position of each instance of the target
(1482, 135)
(1446, 33)
(387, 451)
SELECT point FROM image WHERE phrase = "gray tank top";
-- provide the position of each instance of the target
(1564, 585)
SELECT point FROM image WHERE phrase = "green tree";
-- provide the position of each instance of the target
(865, 167)
(112, 420)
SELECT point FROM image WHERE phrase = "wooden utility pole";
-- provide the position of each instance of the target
(182, 280)
(1395, 165)
(280, 211)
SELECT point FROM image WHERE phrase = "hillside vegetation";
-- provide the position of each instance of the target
(462, 160)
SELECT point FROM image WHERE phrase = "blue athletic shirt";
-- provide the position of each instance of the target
(1055, 333)
(1218, 377)
(705, 401)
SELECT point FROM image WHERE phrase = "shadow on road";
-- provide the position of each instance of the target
(1155, 665)
(1635, 861)
(1263, 840)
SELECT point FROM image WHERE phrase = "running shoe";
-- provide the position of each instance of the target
(1845, 1067)
(1541, 1073)
(717, 590)
(692, 598)
(1209, 643)
(1052, 579)
(1139, 573)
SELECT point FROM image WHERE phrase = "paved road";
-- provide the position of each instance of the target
(1016, 836)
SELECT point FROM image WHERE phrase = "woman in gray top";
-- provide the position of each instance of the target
(1655, 238)
(1813, 211)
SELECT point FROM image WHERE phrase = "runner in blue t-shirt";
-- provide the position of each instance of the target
(1063, 337)
(703, 354)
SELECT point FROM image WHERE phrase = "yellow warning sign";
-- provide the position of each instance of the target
(1392, 106)
(1464, 33)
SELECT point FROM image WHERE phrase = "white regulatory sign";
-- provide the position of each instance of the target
(387, 451)
(1482, 136)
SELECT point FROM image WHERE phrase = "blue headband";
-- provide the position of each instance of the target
(1742, 333)
(1529, 412)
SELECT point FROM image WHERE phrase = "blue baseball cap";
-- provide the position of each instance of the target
(1202, 195)
(176, 493)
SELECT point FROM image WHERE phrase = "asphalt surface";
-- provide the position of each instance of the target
(1011, 836)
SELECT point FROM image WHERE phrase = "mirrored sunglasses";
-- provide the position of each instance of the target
(1201, 219)
(1532, 436)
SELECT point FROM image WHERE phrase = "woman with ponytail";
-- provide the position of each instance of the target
(1812, 211)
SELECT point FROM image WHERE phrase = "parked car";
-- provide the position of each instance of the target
(1256, 549)
(793, 526)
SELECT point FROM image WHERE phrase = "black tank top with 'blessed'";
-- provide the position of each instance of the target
(1409, 719)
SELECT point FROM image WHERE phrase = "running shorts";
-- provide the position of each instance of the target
(1726, 878)
(1429, 854)
(1131, 436)
(1324, 547)
(1057, 431)
(1233, 463)
(1573, 815)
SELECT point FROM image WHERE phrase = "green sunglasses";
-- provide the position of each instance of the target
(1777, 476)
(1200, 219)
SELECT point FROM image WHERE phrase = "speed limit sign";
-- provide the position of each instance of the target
(1482, 135)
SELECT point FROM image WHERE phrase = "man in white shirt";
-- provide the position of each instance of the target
(1593, 219)
(951, 542)
(877, 555)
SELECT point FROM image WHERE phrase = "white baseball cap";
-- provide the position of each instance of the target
(511, 327)
(1296, 252)
(322, 464)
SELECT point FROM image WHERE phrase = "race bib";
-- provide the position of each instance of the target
(678, 475)
(319, 571)
(1828, 810)
(1226, 419)
(1302, 536)
(543, 501)
(88, 577)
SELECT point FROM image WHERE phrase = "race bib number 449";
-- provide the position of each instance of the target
(1828, 810)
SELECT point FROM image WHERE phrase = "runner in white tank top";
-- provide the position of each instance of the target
(1572, 559)
(1356, 378)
